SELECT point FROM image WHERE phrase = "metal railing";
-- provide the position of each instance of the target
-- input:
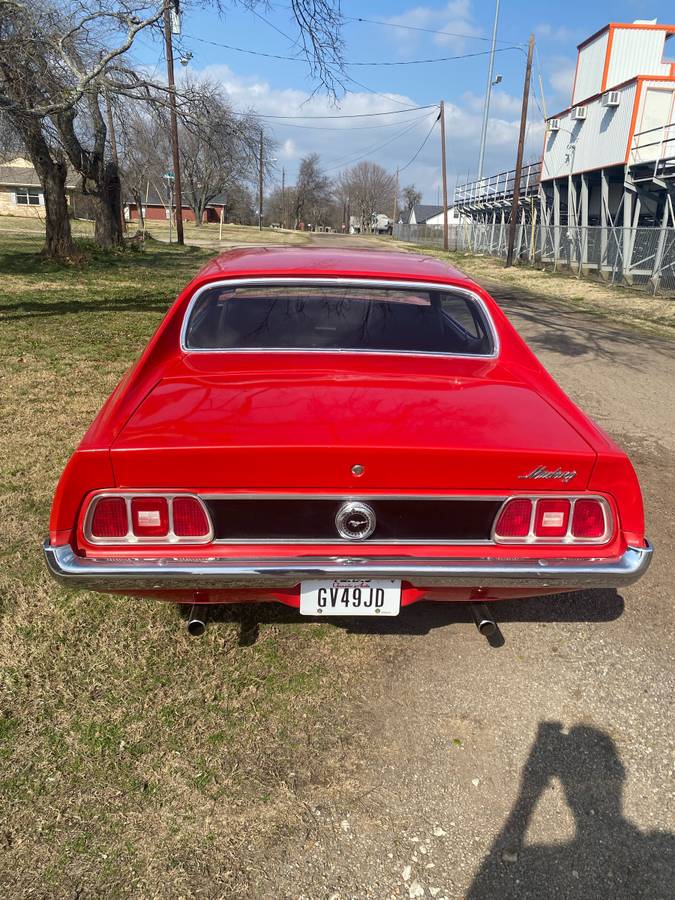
(497, 190)
(643, 258)
(655, 145)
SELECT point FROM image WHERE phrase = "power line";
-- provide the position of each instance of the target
(380, 63)
(421, 146)
(472, 37)
(355, 127)
(391, 112)
(370, 150)
(433, 59)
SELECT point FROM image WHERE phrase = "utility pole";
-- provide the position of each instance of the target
(444, 175)
(513, 221)
(488, 94)
(283, 197)
(260, 184)
(393, 214)
(168, 43)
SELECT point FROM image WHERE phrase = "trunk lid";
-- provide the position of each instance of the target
(275, 427)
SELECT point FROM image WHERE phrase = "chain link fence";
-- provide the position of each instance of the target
(642, 258)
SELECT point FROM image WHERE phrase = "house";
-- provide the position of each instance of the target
(426, 214)
(157, 208)
(20, 190)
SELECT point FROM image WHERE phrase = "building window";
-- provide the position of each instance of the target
(28, 196)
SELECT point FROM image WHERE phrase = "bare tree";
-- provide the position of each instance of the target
(144, 153)
(313, 189)
(370, 189)
(218, 147)
(411, 197)
(59, 62)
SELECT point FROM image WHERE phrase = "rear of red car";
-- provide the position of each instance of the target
(346, 433)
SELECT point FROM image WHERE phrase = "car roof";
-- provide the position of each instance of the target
(284, 261)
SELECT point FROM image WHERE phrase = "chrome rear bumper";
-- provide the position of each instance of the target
(204, 573)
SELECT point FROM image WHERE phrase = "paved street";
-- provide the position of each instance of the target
(539, 768)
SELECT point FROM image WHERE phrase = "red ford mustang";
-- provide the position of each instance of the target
(346, 432)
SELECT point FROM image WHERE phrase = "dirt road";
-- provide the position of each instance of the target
(539, 768)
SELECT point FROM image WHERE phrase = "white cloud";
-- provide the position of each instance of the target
(560, 33)
(561, 79)
(341, 142)
(455, 17)
(500, 103)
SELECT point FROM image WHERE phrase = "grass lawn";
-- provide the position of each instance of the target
(239, 234)
(134, 760)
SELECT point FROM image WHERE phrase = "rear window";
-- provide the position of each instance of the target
(337, 317)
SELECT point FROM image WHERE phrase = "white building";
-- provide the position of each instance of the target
(612, 151)
(426, 214)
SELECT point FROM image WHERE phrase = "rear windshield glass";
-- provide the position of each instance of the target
(341, 317)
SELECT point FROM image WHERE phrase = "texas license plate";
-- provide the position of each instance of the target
(351, 597)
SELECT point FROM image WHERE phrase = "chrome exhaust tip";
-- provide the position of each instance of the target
(483, 618)
(196, 625)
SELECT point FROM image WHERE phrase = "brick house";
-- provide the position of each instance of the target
(158, 209)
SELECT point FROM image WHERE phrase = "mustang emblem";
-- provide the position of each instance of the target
(355, 521)
(541, 472)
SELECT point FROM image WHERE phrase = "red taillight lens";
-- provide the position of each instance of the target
(588, 519)
(514, 519)
(189, 518)
(110, 518)
(552, 518)
(149, 516)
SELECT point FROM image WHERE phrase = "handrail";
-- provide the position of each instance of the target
(499, 186)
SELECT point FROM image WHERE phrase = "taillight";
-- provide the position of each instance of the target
(552, 518)
(189, 518)
(110, 518)
(564, 520)
(588, 519)
(514, 519)
(149, 516)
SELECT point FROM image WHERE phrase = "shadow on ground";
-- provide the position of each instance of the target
(608, 855)
(563, 328)
(423, 617)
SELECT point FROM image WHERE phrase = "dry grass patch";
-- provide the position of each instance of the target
(134, 761)
(232, 234)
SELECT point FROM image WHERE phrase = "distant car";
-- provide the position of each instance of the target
(346, 432)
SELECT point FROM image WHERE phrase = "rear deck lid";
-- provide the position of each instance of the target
(281, 428)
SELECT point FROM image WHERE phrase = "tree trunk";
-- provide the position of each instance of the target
(107, 210)
(52, 174)
(58, 238)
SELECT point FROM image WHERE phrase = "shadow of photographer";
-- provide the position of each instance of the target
(608, 857)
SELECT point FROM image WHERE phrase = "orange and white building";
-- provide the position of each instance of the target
(602, 196)
(610, 156)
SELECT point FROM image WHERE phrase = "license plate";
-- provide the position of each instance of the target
(351, 597)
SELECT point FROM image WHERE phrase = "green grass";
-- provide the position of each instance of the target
(135, 761)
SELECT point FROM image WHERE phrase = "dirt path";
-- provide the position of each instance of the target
(541, 768)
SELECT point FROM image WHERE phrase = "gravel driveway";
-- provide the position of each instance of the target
(539, 768)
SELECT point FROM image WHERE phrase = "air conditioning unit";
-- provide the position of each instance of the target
(611, 98)
(579, 113)
(553, 125)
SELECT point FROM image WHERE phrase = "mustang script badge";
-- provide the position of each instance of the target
(355, 521)
(541, 472)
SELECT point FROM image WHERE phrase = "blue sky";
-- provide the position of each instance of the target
(278, 87)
